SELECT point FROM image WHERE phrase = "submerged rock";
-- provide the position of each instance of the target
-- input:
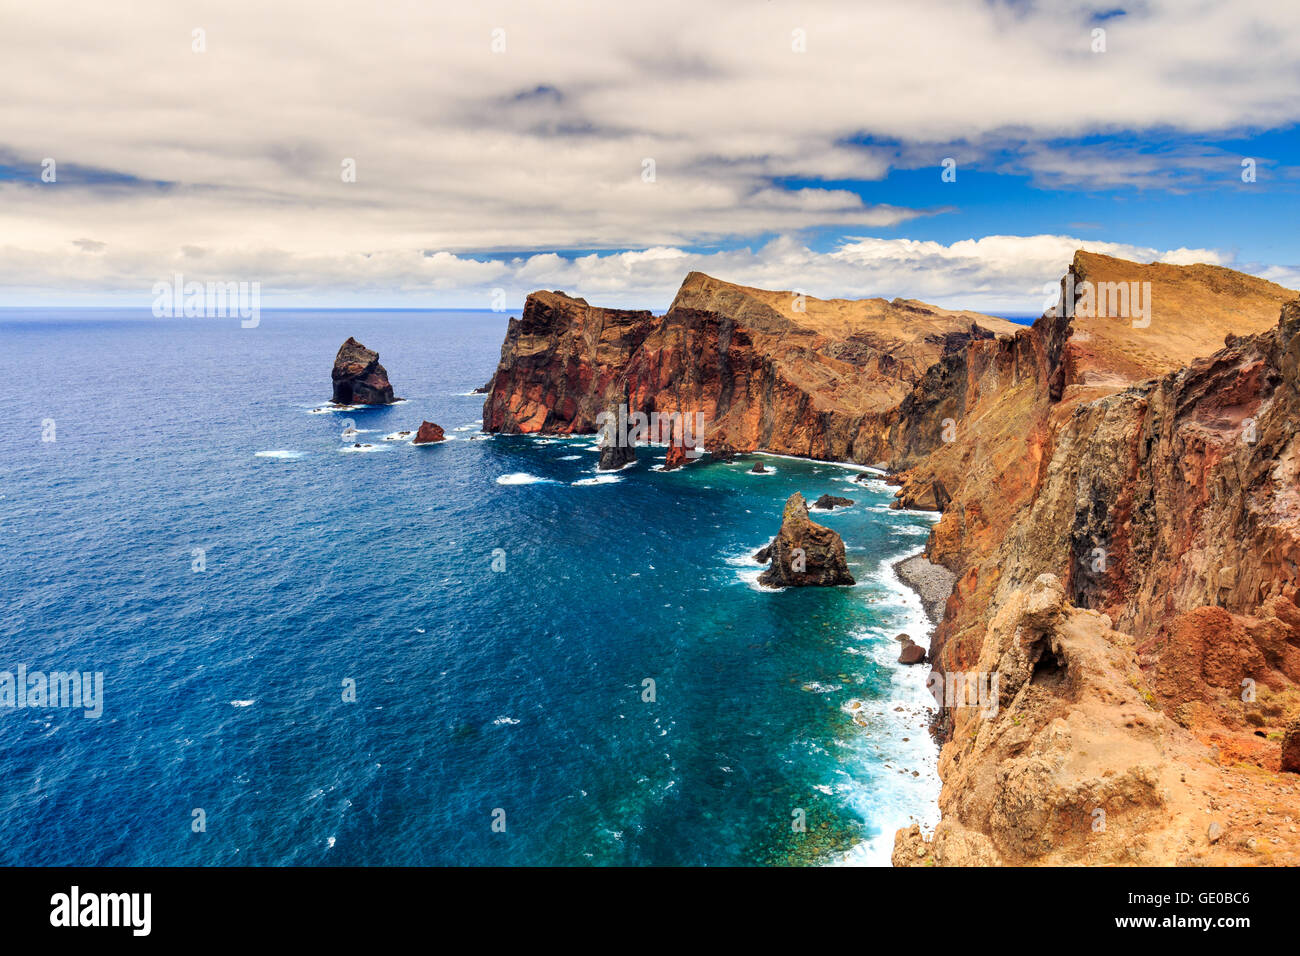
(428, 434)
(805, 553)
(358, 377)
(827, 502)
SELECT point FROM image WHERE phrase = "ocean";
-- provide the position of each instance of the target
(474, 653)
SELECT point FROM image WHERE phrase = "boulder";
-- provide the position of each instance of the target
(912, 653)
(428, 434)
(1291, 747)
(758, 469)
(827, 502)
(805, 553)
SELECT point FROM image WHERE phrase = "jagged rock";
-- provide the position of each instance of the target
(614, 457)
(358, 377)
(805, 553)
(739, 356)
(912, 653)
(764, 554)
(428, 434)
(615, 449)
(676, 457)
(827, 502)
(758, 469)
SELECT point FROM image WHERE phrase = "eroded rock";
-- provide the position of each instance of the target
(805, 553)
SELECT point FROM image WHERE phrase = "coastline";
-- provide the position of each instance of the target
(932, 582)
(916, 749)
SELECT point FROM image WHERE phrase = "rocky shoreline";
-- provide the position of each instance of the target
(932, 582)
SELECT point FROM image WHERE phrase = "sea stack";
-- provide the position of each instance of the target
(428, 434)
(805, 553)
(615, 448)
(358, 377)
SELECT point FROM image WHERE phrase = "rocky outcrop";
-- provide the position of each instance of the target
(827, 502)
(804, 553)
(767, 370)
(911, 653)
(676, 456)
(428, 434)
(358, 377)
(758, 469)
(617, 445)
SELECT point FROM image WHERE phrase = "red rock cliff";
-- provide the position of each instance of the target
(768, 370)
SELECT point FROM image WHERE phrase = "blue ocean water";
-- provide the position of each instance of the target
(498, 610)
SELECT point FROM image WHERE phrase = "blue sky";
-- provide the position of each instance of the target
(498, 149)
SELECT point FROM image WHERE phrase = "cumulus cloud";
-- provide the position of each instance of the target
(1000, 274)
(479, 130)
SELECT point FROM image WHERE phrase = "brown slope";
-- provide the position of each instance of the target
(1192, 310)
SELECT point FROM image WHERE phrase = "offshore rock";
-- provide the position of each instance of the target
(805, 553)
(428, 434)
(358, 377)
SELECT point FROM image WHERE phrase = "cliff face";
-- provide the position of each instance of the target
(1120, 496)
(1171, 509)
(766, 370)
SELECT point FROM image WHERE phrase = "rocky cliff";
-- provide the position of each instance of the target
(767, 370)
(1167, 505)
(1120, 496)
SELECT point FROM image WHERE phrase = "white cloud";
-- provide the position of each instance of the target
(460, 149)
(994, 273)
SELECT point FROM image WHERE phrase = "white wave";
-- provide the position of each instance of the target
(278, 453)
(599, 480)
(399, 436)
(570, 458)
(243, 703)
(505, 721)
(521, 478)
(362, 447)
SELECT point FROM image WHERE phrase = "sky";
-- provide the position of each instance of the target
(438, 155)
